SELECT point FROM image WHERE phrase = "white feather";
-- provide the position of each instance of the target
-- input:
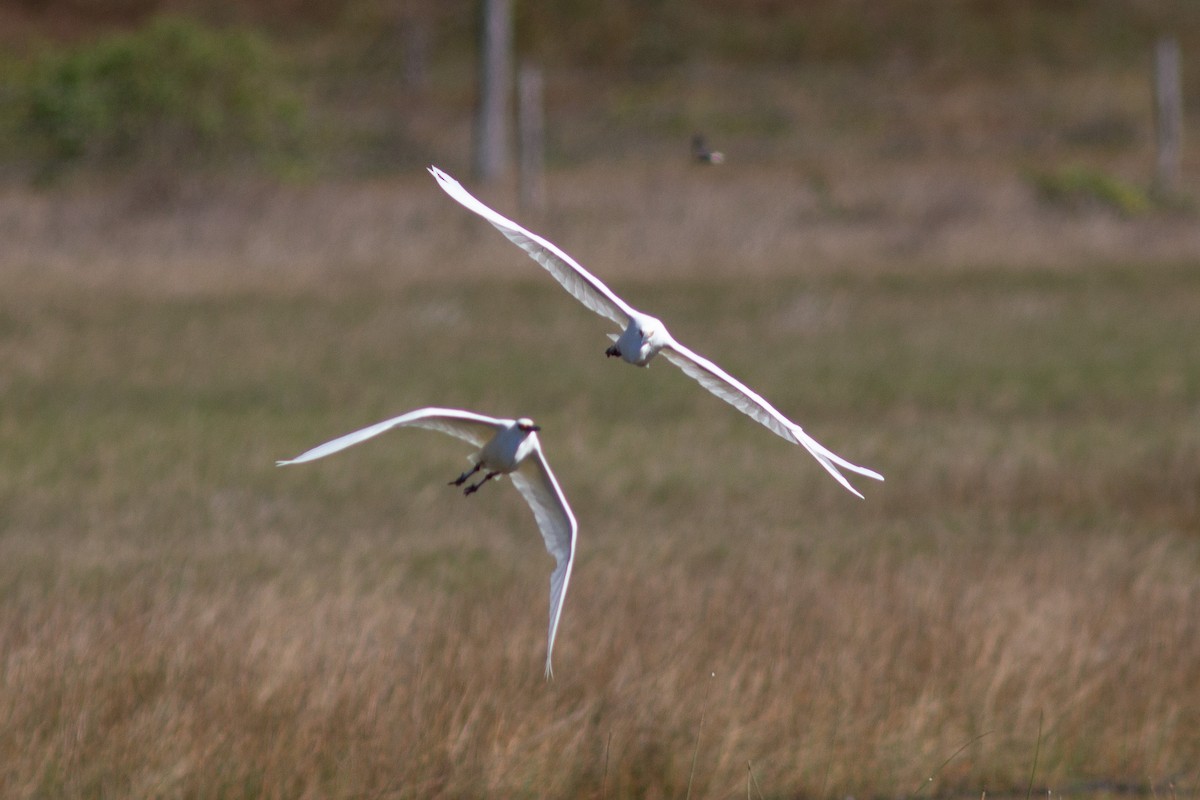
(504, 448)
(582, 285)
(594, 294)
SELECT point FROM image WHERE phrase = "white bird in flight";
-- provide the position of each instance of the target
(506, 447)
(644, 336)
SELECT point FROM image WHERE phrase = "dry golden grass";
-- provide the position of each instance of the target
(181, 619)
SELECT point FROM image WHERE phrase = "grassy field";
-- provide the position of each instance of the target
(893, 254)
(181, 619)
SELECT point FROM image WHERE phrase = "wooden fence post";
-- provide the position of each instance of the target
(491, 149)
(532, 143)
(1168, 98)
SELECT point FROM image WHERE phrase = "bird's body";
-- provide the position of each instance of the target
(511, 445)
(506, 447)
(643, 336)
(504, 453)
(703, 154)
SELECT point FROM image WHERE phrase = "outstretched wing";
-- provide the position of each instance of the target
(465, 425)
(583, 285)
(750, 403)
(537, 485)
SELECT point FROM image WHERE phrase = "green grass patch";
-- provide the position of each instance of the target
(1081, 188)
(180, 614)
(172, 92)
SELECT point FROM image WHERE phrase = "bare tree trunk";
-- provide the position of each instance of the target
(491, 156)
(1168, 96)
(532, 142)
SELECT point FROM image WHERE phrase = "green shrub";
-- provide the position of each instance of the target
(173, 92)
(1080, 187)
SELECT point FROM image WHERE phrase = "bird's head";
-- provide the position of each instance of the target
(527, 425)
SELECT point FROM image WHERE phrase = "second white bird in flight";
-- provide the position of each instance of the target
(506, 447)
(644, 336)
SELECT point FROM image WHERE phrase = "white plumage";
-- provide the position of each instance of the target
(644, 336)
(506, 447)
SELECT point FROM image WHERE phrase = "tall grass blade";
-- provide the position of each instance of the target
(699, 728)
(929, 781)
(1037, 749)
(750, 778)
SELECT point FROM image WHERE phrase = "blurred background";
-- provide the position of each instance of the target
(956, 240)
(352, 89)
(926, 130)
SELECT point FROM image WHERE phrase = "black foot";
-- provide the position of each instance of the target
(473, 488)
(612, 352)
(461, 479)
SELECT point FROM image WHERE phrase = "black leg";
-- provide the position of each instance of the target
(475, 487)
(461, 479)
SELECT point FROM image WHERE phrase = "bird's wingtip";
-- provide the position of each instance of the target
(282, 463)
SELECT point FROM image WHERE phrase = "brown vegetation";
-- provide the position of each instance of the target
(180, 619)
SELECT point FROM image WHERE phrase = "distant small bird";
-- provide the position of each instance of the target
(507, 447)
(702, 154)
(645, 336)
